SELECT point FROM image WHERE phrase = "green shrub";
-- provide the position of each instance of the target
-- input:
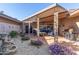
(13, 34)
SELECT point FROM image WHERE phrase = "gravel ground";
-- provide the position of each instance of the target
(24, 48)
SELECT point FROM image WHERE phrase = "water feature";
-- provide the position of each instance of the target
(7, 46)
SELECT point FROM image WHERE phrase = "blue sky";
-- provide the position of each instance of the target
(22, 10)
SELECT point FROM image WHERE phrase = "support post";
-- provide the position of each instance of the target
(23, 27)
(56, 26)
(29, 27)
(38, 27)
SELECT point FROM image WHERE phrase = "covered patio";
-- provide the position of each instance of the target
(59, 20)
(51, 17)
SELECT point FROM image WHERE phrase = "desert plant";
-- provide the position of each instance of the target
(13, 34)
(58, 49)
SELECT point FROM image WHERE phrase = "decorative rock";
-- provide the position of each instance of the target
(9, 47)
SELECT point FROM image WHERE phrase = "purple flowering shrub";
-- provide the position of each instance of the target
(58, 49)
(36, 42)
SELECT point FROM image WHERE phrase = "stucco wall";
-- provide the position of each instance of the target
(8, 21)
(7, 26)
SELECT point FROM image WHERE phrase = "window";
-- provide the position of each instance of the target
(9, 27)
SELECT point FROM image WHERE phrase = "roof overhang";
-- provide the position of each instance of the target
(45, 12)
(75, 13)
(10, 18)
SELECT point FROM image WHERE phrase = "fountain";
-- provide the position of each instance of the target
(7, 47)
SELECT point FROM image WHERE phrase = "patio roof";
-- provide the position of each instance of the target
(41, 13)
